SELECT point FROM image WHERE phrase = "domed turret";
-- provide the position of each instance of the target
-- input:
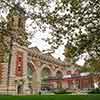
(16, 18)
(16, 25)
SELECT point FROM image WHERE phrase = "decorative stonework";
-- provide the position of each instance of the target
(19, 64)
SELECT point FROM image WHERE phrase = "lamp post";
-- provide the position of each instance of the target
(9, 63)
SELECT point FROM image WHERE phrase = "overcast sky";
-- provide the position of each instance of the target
(42, 45)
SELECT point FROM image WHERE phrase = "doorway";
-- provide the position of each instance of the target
(19, 89)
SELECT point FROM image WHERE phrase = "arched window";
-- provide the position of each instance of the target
(68, 72)
(12, 22)
(19, 22)
(30, 70)
(45, 73)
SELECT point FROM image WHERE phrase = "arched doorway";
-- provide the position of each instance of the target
(59, 76)
(32, 77)
(45, 75)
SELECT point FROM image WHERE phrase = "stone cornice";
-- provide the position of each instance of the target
(41, 56)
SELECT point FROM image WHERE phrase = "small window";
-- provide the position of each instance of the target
(20, 59)
(12, 21)
(19, 22)
(68, 72)
(30, 71)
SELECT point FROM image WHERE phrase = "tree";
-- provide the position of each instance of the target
(75, 23)
(8, 30)
(92, 65)
(72, 22)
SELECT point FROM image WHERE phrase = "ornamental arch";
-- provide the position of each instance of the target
(45, 74)
(46, 71)
(31, 71)
(32, 75)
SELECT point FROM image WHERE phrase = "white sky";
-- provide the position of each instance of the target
(42, 45)
(37, 40)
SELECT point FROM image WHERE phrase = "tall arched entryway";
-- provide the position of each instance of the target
(59, 76)
(32, 77)
(45, 75)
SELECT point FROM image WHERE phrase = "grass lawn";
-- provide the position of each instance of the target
(52, 97)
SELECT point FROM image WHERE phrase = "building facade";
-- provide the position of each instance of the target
(29, 67)
(31, 70)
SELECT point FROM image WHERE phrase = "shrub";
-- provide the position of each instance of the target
(61, 91)
(95, 91)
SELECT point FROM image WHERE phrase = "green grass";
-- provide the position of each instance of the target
(52, 97)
